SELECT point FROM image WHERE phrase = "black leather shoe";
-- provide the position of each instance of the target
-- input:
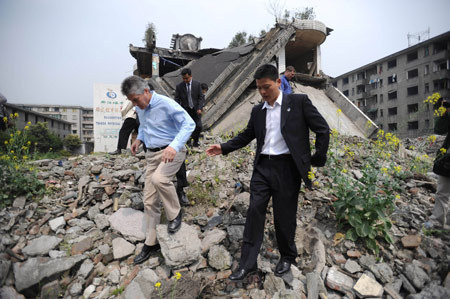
(282, 267)
(146, 253)
(241, 274)
(175, 224)
(182, 198)
(116, 152)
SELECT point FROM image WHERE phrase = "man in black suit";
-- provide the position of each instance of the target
(283, 157)
(190, 96)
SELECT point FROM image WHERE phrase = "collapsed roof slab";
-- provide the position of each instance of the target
(237, 118)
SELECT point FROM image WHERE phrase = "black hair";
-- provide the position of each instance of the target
(204, 86)
(266, 71)
(186, 71)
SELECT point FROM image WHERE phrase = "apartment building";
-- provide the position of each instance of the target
(392, 90)
(82, 118)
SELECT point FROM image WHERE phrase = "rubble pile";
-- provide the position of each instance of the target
(79, 241)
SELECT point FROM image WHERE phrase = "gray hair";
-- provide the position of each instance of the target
(133, 84)
(290, 68)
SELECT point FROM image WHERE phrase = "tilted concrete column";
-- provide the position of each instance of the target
(318, 58)
(281, 60)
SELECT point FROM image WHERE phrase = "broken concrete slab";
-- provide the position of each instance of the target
(128, 222)
(368, 287)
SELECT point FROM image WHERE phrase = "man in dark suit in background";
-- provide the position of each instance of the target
(190, 96)
(283, 157)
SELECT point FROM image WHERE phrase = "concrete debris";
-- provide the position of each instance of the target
(58, 246)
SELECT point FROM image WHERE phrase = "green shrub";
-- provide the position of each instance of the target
(72, 142)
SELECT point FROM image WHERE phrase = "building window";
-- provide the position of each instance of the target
(381, 83)
(360, 75)
(74, 131)
(426, 71)
(74, 117)
(335, 84)
(426, 52)
(64, 110)
(427, 123)
(52, 123)
(440, 65)
(345, 81)
(353, 91)
(381, 98)
(411, 56)
(392, 63)
(392, 127)
(392, 95)
(413, 125)
(427, 88)
(35, 119)
(392, 111)
(413, 90)
(413, 73)
(26, 117)
(413, 108)
(392, 79)
(74, 110)
(345, 92)
(381, 112)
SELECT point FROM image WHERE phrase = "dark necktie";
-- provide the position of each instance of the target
(191, 104)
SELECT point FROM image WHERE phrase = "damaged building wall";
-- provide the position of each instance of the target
(229, 75)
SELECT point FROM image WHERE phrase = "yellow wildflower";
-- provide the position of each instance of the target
(344, 170)
(311, 175)
(6, 141)
(431, 138)
(397, 169)
(29, 142)
(12, 152)
(5, 119)
(177, 275)
(339, 111)
(25, 157)
(26, 128)
(443, 150)
(397, 196)
(29, 123)
(384, 170)
(157, 285)
(16, 115)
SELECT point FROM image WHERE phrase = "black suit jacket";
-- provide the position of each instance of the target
(298, 116)
(181, 95)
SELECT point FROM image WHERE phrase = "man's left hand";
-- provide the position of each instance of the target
(199, 112)
(168, 154)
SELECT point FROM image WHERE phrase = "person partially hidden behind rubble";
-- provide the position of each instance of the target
(281, 127)
(288, 75)
(189, 95)
(164, 128)
(440, 217)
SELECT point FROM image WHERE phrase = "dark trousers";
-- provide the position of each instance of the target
(181, 178)
(128, 126)
(280, 180)
(198, 124)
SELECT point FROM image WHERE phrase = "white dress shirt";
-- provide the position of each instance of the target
(274, 143)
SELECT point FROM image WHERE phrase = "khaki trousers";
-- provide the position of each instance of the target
(158, 189)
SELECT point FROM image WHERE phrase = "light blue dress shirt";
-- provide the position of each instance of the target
(164, 122)
(285, 86)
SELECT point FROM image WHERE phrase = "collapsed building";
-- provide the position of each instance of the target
(229, 74)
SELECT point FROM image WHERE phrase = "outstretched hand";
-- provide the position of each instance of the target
(214, 150)
(135, 146)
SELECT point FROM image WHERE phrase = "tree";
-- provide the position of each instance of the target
(275, 8)
(150, 36)
(43, 139)
(239, 38)
(72, 142)
(306, 13)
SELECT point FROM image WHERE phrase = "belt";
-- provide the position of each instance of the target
(277, 157)
(157, 149)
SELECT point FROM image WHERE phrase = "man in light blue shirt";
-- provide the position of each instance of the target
(288, 75)
(164, 129)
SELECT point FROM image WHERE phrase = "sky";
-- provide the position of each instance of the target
(53, 51)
